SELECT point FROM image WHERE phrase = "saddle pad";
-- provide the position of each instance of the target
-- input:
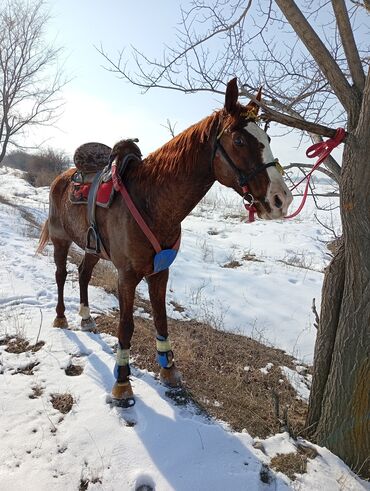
(80, 192)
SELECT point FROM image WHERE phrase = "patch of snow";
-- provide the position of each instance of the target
(265, 370)
(298, 382)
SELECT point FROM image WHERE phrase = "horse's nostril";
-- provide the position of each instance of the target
(277, 201)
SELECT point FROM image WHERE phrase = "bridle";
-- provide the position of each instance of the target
(243, 179)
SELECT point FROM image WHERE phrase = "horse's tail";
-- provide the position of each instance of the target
(44, 237)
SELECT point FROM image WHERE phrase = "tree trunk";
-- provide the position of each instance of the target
(339, 403)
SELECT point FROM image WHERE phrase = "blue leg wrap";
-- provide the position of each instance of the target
(116, 370)
(122, 360)
(165, 359)
(164, 352)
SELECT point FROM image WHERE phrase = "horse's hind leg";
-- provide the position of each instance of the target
(85, 270)
(169, 375)
(61, 248)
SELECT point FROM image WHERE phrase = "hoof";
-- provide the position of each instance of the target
(88, 324)
(60, 322)
(170, 377)
(122, 395)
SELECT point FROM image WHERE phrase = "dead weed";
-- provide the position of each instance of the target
(37, 392)
(62, 402)
(232, 264)
(290, 464)
(28, 369)
(73, 370)
(18, 344)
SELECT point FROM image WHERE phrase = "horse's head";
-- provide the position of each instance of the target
(244, 161)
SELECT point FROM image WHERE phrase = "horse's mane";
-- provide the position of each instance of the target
(179, 154)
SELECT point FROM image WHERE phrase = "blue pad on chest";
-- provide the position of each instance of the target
(164, 259)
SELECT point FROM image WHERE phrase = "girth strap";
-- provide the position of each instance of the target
(94, 243)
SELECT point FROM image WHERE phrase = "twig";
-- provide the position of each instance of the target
(275, 397)
(38, 334)
(314, 310)
(201, 439)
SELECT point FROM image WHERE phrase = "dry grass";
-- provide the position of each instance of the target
(73, 370)
(251, 257)
(28, 369)
(37, 392)
(62, 402)
(177, 307)
(232, 264)
(105, 276)
(84, 483)
(18, 344)
(213, 366)
(290, 464)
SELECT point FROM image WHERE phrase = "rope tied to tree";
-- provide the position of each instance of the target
(321, 150)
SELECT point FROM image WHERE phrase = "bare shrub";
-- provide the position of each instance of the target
(41, 168)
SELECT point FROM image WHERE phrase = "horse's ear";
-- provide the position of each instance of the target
(252, 107)
(231, 97)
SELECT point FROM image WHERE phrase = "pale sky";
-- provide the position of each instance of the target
(101, 107)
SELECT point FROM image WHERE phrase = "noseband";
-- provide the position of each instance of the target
(243, 179)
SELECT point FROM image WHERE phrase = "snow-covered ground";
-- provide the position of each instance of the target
(156, 443)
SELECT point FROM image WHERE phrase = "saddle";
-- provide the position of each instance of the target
(92, 182)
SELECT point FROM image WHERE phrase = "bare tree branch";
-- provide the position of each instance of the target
(291, 121)
(318, 51)
(298, 165)
(349, 45)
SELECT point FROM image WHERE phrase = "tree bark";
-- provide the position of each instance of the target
(326, 334)
(339, 403)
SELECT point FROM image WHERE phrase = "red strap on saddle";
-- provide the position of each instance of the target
(119, 186)
(321, 150)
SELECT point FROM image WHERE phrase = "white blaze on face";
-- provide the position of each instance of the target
(277, 187)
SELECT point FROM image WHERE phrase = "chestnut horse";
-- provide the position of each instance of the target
(227, 146)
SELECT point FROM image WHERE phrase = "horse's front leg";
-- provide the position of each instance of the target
(122, 393)
(169, 375)
(85, 270)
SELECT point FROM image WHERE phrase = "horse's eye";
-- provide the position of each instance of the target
(238, 140)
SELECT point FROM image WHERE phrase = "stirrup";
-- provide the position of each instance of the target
(92, 241)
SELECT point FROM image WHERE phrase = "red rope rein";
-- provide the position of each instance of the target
(321, 150)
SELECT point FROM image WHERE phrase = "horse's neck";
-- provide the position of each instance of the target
(172, 200)
(169, 198)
